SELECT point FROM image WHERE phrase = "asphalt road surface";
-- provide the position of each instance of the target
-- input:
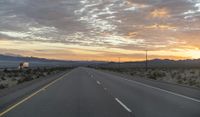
(87, 92)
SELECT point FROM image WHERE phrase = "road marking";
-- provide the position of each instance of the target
(30, 96)
(170, 92)
(43, 89)
(123, 105)
(98, 83)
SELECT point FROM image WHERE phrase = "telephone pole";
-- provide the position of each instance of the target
(119, 62)
(146, 63)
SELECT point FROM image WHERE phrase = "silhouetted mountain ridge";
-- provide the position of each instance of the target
(151, 63)
(28, 59)
(14, 60)
(162, 63)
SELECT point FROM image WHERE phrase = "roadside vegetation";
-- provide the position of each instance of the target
(9, 78)
(186, 77)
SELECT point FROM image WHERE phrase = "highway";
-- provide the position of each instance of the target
(85, 92)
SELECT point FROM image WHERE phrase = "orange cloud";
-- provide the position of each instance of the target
(131, 35)
(160, 13)
(161, 26)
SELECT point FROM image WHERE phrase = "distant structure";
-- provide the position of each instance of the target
(23, 65)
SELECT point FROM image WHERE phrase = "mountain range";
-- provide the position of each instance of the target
(161, 63)
(157, 63)
(14, 60)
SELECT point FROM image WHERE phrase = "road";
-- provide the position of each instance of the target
(85, 92)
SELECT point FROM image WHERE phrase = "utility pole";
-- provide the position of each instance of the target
(119, 62)
(146, 63)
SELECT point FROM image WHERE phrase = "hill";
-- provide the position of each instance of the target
(9, 61)
(157, 63)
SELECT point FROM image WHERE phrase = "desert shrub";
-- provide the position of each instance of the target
(173, 74)
(132, 73)
(179, 77)
(21, 80)
(2, 86)
(192, 82)
(192, 72)
(199, 73)
(180, 81)
(13, 79)
(29, 71)
(3, 78)
(16, 74)
(152, 76)
(156, 74)
(184, 79)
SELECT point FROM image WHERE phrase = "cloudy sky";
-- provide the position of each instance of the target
(100, 29)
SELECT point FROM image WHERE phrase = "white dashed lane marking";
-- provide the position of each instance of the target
(98, 83)
(123, 105)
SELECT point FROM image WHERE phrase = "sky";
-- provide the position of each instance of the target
(100, 29)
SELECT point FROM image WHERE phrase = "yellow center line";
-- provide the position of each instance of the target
(30, 96)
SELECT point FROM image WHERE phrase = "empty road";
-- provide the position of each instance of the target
(87, 92)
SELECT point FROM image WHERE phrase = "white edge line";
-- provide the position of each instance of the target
(170, 92)
(123, 105)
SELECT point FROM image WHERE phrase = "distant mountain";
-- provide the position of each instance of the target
(28, 59)
(14, 60)
(157, 63)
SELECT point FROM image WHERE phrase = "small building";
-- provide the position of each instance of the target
(23, 65)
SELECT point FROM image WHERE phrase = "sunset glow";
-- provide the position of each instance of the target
(102, 30)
